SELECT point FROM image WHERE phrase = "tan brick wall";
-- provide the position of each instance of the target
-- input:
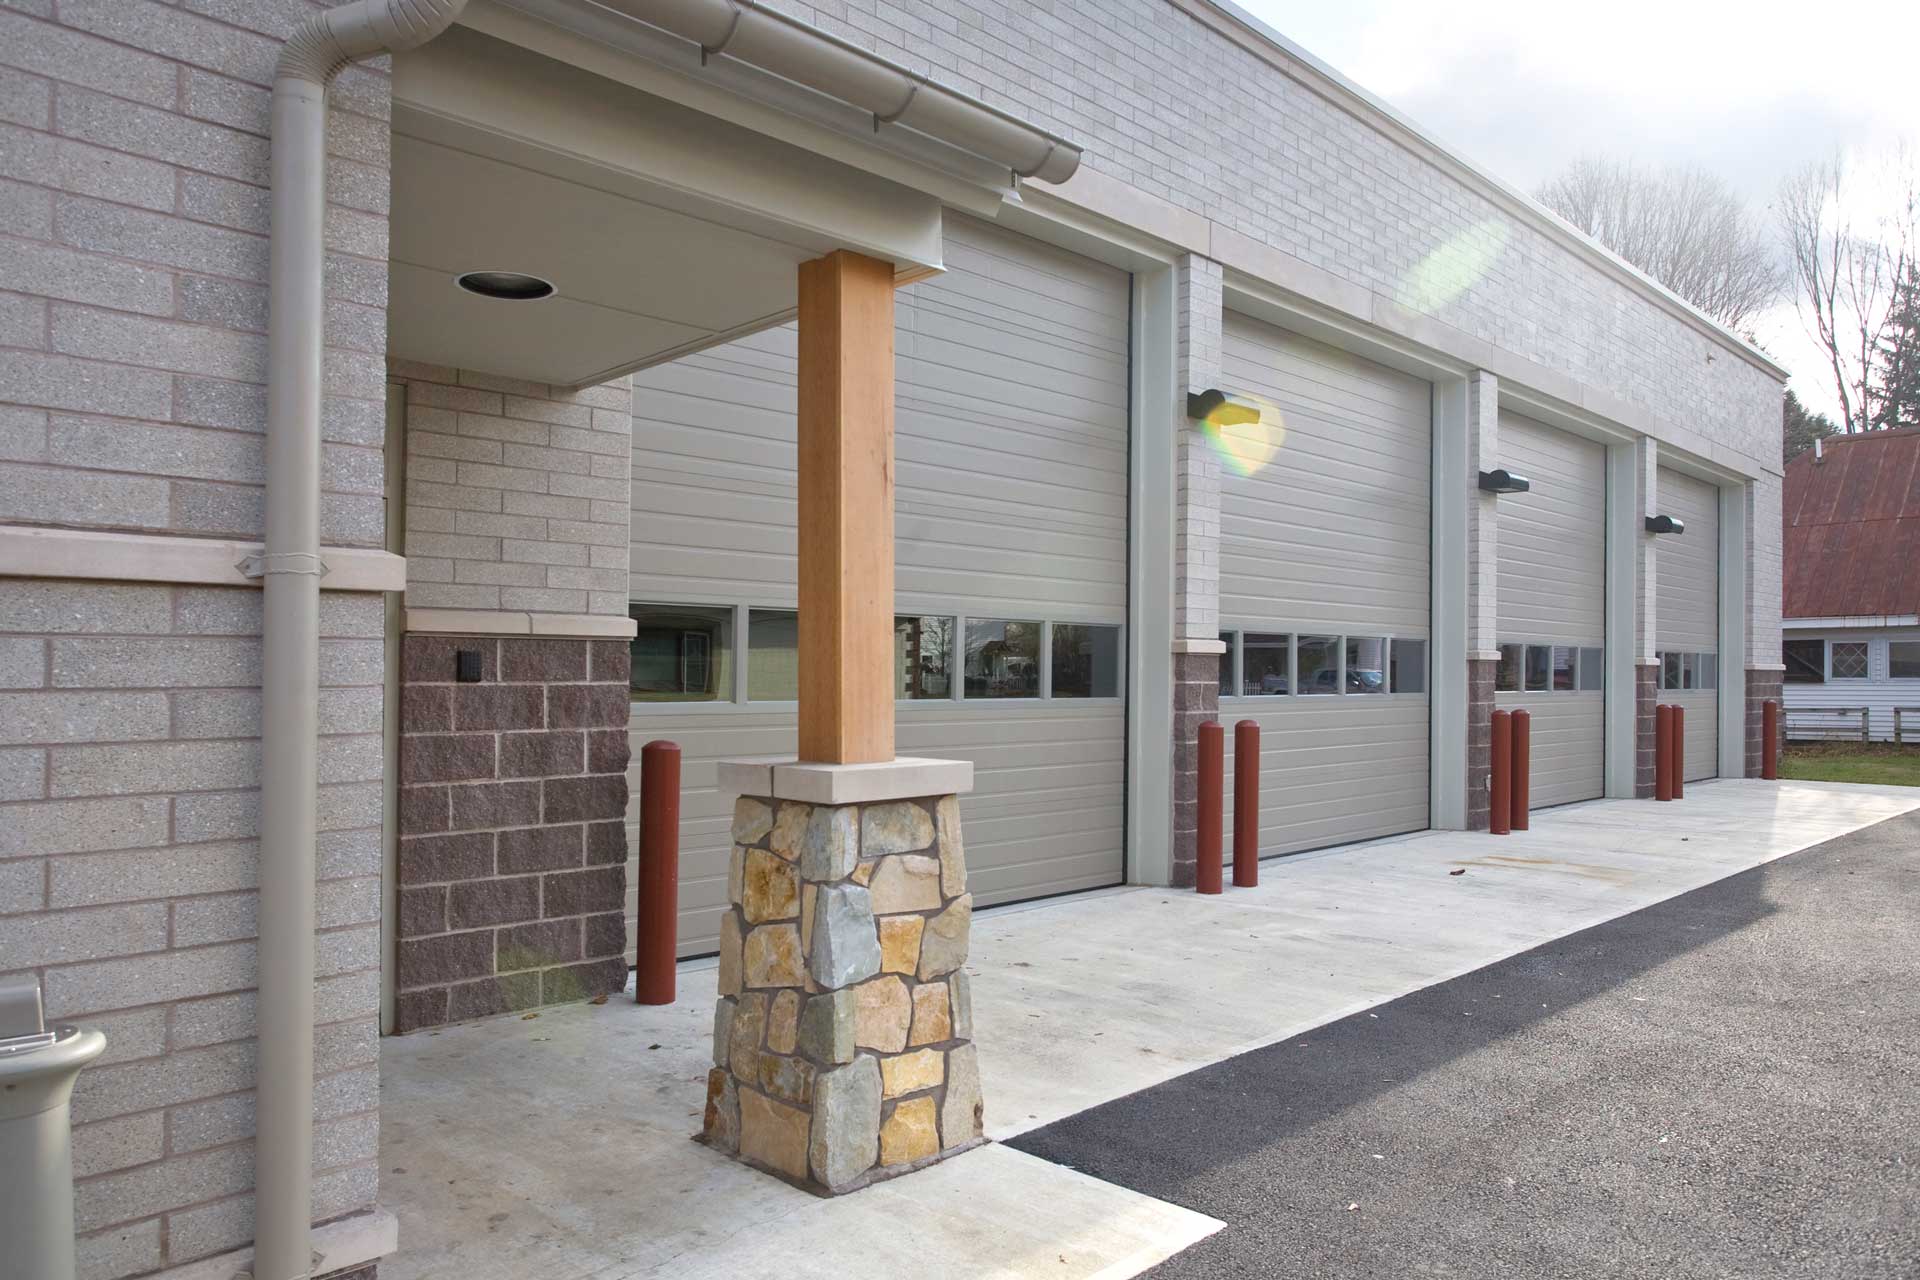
(517, 493)
(129, 762)
(133, 266)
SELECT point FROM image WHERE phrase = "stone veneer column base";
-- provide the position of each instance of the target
(1480, 677)
(1196, 700)
(1646, 704)
(843, 1036)
(1762, 687)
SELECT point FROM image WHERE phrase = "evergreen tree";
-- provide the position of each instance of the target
(1897, 357)
(1800, 427)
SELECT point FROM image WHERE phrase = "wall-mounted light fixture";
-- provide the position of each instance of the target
(1220, 409)
(1665, 524)
(1504, 481)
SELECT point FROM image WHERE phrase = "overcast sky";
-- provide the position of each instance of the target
(1750, 91)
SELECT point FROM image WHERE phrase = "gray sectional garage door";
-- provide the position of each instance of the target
(1552, 612)
(1011, 521)
(1324, 586)
(1687, 615)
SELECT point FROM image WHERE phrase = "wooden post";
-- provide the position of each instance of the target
(846, 509)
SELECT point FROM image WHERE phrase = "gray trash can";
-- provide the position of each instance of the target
(37, 1071)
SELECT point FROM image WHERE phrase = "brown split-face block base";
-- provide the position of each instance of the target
(1646, 705)
(843, 1036)
(1762, 687)
(1196, 700)
(513, 847)
(1481, 673)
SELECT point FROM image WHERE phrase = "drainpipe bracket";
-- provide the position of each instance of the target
(259, 565)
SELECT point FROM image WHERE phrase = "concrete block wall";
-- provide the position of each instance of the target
(1278, 163)
(1196, 564)
(133, 171)
(133, 266)
(1483, 517)
(517, 493)
(129, 761)
(1765, 572)
(1482, 674)
(1646, 559)
(1196, 700)
(513, 848)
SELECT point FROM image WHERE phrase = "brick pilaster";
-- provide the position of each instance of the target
(1646, 702)
(1762, 686)
(1196, 700)
(1480, 677)
(513, 794)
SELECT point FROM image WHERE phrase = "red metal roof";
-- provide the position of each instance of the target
(1851, 527)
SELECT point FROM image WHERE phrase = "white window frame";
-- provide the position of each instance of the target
(1864, 676)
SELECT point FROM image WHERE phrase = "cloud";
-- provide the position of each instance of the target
(1749, 91)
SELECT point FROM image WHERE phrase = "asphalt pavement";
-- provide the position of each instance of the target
(1723, 1085)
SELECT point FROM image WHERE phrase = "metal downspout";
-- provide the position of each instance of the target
(291, 567)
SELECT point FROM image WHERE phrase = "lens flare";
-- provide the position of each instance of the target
(1246, 448)
(1455, 267)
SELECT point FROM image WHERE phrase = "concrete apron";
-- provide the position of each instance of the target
(559, 1145)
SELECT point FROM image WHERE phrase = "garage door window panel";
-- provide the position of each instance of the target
(1539, 668)
(1565, 678)
(922, 658)
(1506, 677)
(1267, 661)
(1230, 665)
(1003, 658)
(1319, 665)
(1407, 671)
(1086, 661)
(681, 653)
(1593, 670)
(773, 655)
(1366, 664)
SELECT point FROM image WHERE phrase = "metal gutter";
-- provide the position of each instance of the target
(291, 568)
(1295, 62)
(890, 94)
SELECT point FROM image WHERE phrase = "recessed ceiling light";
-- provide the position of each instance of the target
(514, 286)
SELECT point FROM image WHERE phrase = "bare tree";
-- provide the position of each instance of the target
(1683, 226)
(1845, 264)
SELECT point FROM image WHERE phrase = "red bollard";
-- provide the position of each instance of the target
(1246, 805)
(1213, 767)
(1679, 752)
(1500, 816)
(657, 926)
(1770, 740)
(1522, 796)
(1663, 752)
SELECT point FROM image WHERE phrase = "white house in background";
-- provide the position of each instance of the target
(1851, 608)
